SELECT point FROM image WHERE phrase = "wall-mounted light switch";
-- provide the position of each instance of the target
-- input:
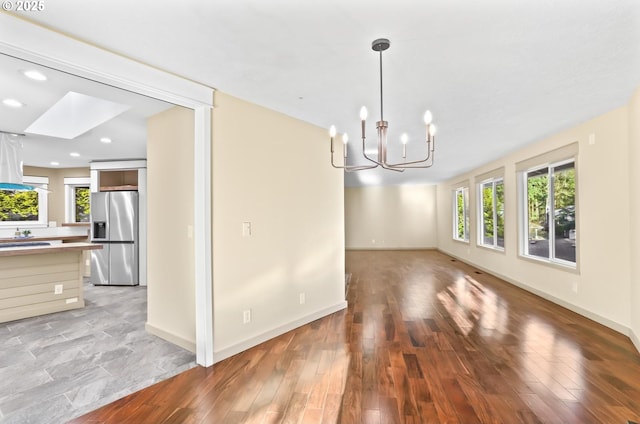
(246, 229)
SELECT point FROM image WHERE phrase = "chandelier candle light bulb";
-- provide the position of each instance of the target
(332, 134)
(404, 139)
(363, 119)
(345, 139)
(428, 117)
(382, 126)
(431, 129)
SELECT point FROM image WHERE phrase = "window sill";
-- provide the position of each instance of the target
(491, 248)
(22, 225)
(461, 241)
(546, 262)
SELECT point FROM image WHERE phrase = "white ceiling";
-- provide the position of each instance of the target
(127, 131)
(497, 74)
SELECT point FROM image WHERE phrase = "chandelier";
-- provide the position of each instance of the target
(381, 45)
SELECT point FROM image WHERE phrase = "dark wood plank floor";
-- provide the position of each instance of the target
(425, 339)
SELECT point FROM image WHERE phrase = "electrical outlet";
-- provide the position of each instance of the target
(302, 299)
(57, 289)
(246, 316)
(575, 287)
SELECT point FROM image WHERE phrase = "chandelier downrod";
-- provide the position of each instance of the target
(381, 45)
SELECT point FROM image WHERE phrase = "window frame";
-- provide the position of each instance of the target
(70, 185)
(42, 187)
(480, 213)
(464, 190)
(524, 213)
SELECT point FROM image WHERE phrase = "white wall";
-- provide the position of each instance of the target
(391, 217)
(634, 229)
(272, 171)
(170, 251)
(603, 219)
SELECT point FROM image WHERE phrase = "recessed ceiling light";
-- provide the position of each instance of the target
(35, 75)
(12, 103)
(105, 140)
(55, 163)
(74, 154)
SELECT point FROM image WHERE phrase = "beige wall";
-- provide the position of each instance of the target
(391, 217)
(603, 219)
(171, 285)
(56, 176)
(272, 170)
(634, 233)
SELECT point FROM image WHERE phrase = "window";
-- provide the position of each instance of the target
(461, 214)
(25, 208)
(77, 200)
(81, 204)
(491, 213)
(550, 212)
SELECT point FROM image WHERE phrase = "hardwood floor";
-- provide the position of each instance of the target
(426, 339)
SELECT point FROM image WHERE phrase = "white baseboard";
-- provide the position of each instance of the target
(391, 248)
(261, 338)
(635, 339)
(170, 337)
(574, 308)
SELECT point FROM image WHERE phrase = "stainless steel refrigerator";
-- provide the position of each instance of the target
(114, 224)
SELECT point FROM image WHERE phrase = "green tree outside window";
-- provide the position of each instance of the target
(18, 205)
(82, 211)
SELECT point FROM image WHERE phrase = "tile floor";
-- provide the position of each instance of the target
(59, 366)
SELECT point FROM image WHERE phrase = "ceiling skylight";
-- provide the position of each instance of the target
(75, 114)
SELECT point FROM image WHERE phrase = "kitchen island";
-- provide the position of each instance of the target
(38, 278)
